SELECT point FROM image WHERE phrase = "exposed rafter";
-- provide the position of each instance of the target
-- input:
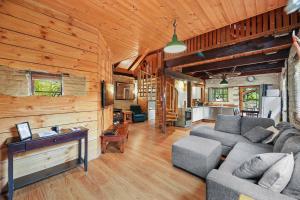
(246, 69)
(243, 47)
(253, 59)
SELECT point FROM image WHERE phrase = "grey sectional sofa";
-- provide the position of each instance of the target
(229, 130)
(221, 184)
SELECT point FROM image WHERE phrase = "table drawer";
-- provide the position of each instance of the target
(54, 140)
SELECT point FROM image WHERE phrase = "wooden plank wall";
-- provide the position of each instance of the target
(275, 21)
(37, 39)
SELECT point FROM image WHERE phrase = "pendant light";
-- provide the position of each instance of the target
(175, 46)
(224, 82)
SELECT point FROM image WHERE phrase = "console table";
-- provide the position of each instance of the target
(15, 146)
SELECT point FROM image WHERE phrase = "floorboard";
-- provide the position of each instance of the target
(143, 172)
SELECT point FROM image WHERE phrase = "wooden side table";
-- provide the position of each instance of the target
(127, 116)
(120, 137)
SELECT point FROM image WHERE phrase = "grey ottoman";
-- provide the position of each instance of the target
(196, 154)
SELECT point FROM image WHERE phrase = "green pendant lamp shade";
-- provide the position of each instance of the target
(175, 46)
(224, 82)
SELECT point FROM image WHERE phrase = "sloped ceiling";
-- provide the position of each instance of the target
(131, 26)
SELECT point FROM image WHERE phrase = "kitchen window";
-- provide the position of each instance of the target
(218, 94)
(43, 84)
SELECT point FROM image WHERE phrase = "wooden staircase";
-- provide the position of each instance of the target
(149, 86)
(171, 104)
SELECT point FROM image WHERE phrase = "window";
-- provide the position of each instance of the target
(43, 84)
(249, 97)
(218, 94)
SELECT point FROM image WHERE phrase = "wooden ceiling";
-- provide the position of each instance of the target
(131, 26)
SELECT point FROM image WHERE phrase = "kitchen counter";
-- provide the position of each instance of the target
(210, 112)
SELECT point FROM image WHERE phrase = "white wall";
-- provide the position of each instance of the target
(235, 82)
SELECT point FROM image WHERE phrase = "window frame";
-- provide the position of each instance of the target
(213, 96)
(44, 76)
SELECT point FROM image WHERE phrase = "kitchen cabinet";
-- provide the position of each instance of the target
(197, 114)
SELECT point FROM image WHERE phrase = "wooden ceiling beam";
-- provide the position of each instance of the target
(245, 69)
(242, 47)
(248, 60)
(265, 71)
(139, 60)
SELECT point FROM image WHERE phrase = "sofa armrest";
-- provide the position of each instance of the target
(224, 186)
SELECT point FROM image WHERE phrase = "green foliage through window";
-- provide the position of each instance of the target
(43, 85)
(218, 94)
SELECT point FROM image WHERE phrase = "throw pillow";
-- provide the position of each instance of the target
(228, 123)
(256, 166)
(286, 134)
(291, 145)
(293, 188)
(278, 176)
(257, 134)
(272, 137)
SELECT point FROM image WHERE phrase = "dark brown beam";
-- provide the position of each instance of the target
(242, 47)
(245, 69)
(248, 60)
(266, 71)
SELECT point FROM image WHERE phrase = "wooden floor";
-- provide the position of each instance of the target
(143, 172)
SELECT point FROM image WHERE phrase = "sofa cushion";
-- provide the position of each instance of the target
(291, 145)
(257, 134)
(240, 153)
(293, 188)
(271, 138)
(286, 134)
(257, 165)
(247, 123)
(228, 123)
(283, 126)
(278, 176)
(226, 139)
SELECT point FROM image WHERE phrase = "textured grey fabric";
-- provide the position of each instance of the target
(247, 123)
(242, 152)
(257, 134)
(228, 124)
(291, 145)
(256, 166)
(278, 176)
(283, 137)
(228, 140)
(224, 186)
(283, 126)
(196, 155)
(293, 188)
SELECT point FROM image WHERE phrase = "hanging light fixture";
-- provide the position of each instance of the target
(175, 46)
(224, 82)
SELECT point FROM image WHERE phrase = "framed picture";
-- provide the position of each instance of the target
(24, 130)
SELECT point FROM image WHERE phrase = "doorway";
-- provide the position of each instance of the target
(249, 98)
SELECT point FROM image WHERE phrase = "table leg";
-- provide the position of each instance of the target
(10, 176)
(86, 153)
(79, 151)
(122, 146)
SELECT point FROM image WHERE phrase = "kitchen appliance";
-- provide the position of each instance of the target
(272, 104)
(184, 117)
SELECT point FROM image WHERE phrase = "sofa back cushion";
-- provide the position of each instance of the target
(228, 124)
(293, 187)
(291, 145)
(248, 123)
(286, 134)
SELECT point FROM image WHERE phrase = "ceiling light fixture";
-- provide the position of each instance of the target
(224, 82)
(175, 46)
